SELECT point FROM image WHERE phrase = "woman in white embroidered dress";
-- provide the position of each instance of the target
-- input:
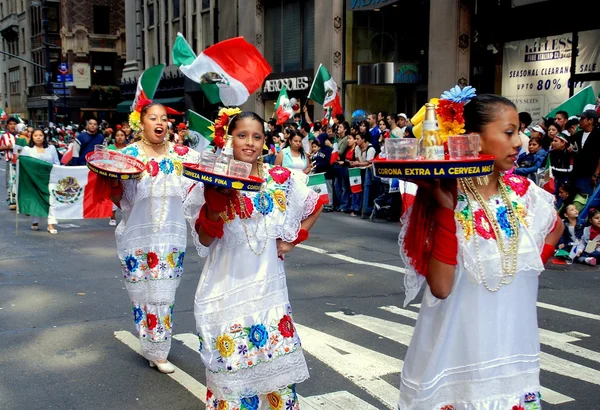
(152, 236)
(475, 345)
(248, 342)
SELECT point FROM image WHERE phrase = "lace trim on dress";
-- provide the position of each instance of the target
(514, 386)
(156, 351)
(153, 291)
(261, 379)
(194, 200)
(246, 308)
(412, 280)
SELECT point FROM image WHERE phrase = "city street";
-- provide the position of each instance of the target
(67, 338)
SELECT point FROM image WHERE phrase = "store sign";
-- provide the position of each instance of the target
(299, 81)
(407, 74)
(360, 5)
(81, 75)
(536, 72)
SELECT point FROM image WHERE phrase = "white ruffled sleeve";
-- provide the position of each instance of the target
(192, 203)
(302, 201)
(413, 282)
(541, 214)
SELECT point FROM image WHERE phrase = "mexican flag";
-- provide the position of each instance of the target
(228, 72)
(325, 92)
(64, 192)
(575, 104)
(3, 115)
(148, 84)
(20, 143)
(317, 183)
(355, 180)
(201, 131)
(283, 109)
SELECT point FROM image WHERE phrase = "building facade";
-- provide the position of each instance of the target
(16, 73)
(89, 36)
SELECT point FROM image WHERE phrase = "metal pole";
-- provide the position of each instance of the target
(64, 78)
(48, 67)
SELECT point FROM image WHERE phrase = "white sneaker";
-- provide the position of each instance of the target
(113, 222)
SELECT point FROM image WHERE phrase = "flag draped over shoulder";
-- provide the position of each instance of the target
(201, 131)
(324, 91)
(228, 72)
(64, 192)
(147, 84)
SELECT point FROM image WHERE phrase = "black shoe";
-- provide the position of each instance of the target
(347, 211)
(327, 210)
(365, 216)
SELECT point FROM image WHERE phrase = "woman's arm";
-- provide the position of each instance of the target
(308, 164)
(205, 238)
(284, 247)
(55, 159)
(279, 158)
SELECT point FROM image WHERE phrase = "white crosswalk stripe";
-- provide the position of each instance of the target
(367, 368)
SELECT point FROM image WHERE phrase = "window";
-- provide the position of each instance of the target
(290, 34)
(101, 20)
(150, 15)
(205, 4)
(175, 9)
(24, 41)
(13, 80)
(53, 22)
(25, 83)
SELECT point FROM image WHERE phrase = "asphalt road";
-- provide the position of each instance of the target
(67, 337)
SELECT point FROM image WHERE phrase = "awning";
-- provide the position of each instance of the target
(125, 106)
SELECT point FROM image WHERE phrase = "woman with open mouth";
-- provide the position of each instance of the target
(248, 341)
(152, 235)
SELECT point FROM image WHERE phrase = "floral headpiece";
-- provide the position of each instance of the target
(221, 125)
(450, 109)
(135, 118)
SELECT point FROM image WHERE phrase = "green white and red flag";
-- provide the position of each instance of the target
(201, 131)
(63, 192)
(3, 115)
(324, 91)
(283, 108)
(228, 72)
(147, 84)
(355, 180)
(317, 183)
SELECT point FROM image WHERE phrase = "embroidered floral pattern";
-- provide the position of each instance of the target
(280, 174)
(152, 167)
(132, 150)
(250, 403)
(483, 225)
(502, 218)
(132, 263)
(517, 183)
(225, 345)
(447, 407)
(138, 314)
(275, 401)
(166, 165)
(258, 335)
(152, 321)
(286, 327)
(465, 219)
(280, 200)
(152, 259)
(178, 167)
(181, 150)
(263, 202)
(151, 265)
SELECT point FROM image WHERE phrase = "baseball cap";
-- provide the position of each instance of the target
(538, 129)
(593, 114)
(403, 116)
(182, 126)
(562, 136)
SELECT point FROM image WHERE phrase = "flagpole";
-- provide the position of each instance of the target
(17, 200)
(313, 83)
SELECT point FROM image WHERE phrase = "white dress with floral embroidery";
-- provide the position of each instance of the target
(479, 350)
(151, 246)
(248, 342)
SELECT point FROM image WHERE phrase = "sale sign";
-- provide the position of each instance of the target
(536, 72)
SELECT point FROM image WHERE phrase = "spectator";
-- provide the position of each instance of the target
(528, 164)
(586, 144)
(384, 128)
(381, 115)
(120, 141)
(293, 156)
(561, 162)
(573, 232)
(305, 133)
(85, 142)
(588, 250)
(374, 131)
(7, 142)
(571, 127)
(408, 132)
(365, 153)
(38, 148)
(341, 182)
(298, 120)
(271, 125)
(395, 130)
(323, 164)
(339, 119)
(525, 121)
(402, 122)
(355, 198)
(561, 119)
(569, 195)
(553, 131)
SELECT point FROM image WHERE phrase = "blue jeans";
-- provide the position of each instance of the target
(356, 200)
(342, 188)
(369, 187)
(584, 185)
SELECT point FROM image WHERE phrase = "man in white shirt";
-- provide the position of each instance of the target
(402, 122)
(365, 153)
(7, 142)
(396, 131)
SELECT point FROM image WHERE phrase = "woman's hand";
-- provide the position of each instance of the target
(561, 246)
(283, 248)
